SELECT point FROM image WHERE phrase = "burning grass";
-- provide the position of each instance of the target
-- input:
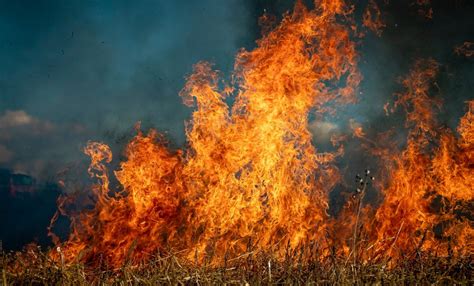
(35, 267)
(245, 201)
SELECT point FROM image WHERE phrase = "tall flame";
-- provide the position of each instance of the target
(430, 182)
(250, 177)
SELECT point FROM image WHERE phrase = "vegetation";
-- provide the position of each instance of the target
(33, 267)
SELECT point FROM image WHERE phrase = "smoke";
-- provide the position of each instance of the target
(5, 154)
(74, 71)
(323, 129)
(409, 36)
(98, 68)
(91, 70)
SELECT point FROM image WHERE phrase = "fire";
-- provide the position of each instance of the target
(424, 8)
(466, 49)
(357, 130)
(250, 178)
(431, 182)
(250, 175)
(372, 18)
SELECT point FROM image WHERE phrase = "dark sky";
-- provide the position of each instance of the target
(78, 70)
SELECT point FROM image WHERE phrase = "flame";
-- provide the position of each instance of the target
(372, 18)
(429, 182)
(250, 178)
(466, 49)
(424, 8)
(250, 175)
(357, 129)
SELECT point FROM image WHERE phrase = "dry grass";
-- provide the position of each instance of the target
(33, 267)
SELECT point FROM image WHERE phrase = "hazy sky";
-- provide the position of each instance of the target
(81, 69)
(77, 70)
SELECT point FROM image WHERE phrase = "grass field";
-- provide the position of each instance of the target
(33, 267)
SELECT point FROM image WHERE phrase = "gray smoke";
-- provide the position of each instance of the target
(92, 69)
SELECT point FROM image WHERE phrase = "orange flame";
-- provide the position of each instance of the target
(357, 130)
(250, 172)
(429, 182)
(250, 178)
(372, 18)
